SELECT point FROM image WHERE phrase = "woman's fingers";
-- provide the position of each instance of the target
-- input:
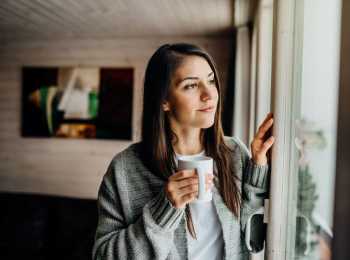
(189, 196)
(192, 180)
(187, 199)
(188, 189)
(182, 187)
(186, 182)
(209, 182)
(264, 128)
(267, 144)
(183, 174)
(267, 118)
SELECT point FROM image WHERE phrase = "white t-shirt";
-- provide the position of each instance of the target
(210, 243)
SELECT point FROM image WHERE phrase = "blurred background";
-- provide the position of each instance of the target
(71, 79)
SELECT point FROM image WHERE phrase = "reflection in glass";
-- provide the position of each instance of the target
(317, 79)
(311, 233)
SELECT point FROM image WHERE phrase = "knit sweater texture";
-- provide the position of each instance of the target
(137, 221)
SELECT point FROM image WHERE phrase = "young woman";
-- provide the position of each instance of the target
(147, 207)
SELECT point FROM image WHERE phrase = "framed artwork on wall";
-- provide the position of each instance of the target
(77, 102)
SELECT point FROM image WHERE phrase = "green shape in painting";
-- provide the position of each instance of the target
(93, 104)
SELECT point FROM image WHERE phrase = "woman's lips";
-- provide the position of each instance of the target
(207, 110)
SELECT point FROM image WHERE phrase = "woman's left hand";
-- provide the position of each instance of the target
(260, 146)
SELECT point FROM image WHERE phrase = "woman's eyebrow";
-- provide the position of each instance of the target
(192, 78)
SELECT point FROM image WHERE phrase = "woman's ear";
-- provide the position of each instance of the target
(165, 106)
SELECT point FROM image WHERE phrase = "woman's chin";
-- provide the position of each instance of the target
(207, 124)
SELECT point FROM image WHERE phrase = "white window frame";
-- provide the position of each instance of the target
(286, 76)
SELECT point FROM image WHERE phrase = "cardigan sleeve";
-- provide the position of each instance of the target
(254, 191)
(149, 237)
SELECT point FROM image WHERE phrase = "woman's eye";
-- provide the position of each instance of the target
(190, 86)
(212, 81)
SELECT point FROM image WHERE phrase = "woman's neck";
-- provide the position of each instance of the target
(188, 144)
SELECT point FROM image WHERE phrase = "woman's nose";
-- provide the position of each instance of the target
(206, 92)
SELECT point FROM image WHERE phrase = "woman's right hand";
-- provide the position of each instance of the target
(182, 187)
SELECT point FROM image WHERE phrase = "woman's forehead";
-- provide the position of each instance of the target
(193, 66)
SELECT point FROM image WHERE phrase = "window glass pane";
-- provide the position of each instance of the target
(316, 127)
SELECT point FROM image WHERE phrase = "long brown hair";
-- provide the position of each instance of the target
(157, 136)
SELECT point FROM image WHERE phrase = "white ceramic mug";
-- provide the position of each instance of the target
(203, 166)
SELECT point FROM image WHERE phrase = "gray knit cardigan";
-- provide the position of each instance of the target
(137, 221)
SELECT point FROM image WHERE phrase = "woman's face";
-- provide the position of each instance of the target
(193, 89)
